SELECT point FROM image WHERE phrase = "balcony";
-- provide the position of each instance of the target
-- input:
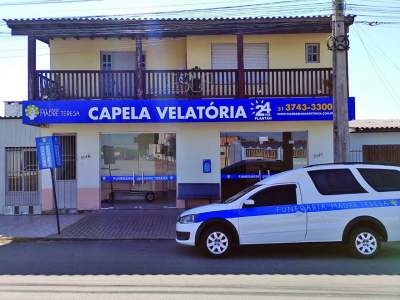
(152, 84)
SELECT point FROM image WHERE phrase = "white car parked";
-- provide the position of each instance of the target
(358, 204)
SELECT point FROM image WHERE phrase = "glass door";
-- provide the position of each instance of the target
(138, 170)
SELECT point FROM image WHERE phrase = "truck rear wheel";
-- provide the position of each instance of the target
(364, 242)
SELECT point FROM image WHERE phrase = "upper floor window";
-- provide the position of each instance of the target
(224, 56)
(106, 62)
(312, 53)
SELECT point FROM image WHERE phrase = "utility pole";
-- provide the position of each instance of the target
(339, 44)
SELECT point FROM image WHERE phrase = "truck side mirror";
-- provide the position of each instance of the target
(249, 202)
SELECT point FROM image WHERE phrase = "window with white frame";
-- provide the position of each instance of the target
(224, 56)
(312, 53)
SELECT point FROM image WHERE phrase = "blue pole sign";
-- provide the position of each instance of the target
(49, 157)
(48, 152)
(181, 110)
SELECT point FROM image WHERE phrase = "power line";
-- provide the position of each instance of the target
(375, 46)
(44, 2)
(255, 8)
(388, 87)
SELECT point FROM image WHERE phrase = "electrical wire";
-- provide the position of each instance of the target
(44, 2)
(254, 8)
(379, 50)
(388, 87)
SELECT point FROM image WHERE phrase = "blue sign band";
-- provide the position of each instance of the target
(243, 176)
(180, 110)
(291, 209)
(138, 178)
(173, 177)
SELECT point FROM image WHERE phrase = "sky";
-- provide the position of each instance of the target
(374, 56)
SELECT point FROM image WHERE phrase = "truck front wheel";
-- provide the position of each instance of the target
(216, 242)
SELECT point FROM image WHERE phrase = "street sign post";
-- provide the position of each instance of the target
(49, 157)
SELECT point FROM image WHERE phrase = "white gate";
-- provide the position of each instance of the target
(66, 175)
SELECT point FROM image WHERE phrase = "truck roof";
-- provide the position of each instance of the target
(294, 175)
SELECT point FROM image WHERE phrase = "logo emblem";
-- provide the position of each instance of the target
(31, 112)
(260, 109)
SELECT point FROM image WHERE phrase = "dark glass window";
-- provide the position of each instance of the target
(382, 180)
(336, 182)
(276, 195)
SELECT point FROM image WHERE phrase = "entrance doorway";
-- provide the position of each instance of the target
(117, 78)
(138, 170)
(66, 186)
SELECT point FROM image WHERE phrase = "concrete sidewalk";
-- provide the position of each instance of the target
(103, 224)
(38, 226)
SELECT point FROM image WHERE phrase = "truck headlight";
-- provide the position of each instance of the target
(187, 219)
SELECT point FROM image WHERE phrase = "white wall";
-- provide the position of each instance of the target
(357, 140)
(194, 142)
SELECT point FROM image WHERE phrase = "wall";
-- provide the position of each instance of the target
(84, 54)
(373, 138)
(357, 140)
(285, 51)
(194, 142)
(13, 134)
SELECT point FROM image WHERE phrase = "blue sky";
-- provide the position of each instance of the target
(374, 74)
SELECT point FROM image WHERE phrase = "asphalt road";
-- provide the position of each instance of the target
(143, 270)
(166, 257)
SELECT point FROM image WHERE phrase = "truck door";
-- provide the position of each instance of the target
(274, 217)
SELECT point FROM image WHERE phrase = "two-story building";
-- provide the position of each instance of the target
(178, 111)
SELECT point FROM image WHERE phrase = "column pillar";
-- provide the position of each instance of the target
(139, 68)
(287, 150)
(240, 66)
(32, 89)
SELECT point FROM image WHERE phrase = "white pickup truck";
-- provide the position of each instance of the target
(358, 204)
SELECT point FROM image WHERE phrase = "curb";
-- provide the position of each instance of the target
(60, 239)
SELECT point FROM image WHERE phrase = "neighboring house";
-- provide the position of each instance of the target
(19, 180)
(375, 140)
(141, 105)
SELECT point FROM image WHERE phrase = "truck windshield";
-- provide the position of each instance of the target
(241, 193)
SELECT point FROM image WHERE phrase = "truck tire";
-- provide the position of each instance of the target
(364, 242)
(150, 196)
(216, 242)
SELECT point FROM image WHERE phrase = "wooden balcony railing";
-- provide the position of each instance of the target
(191, 83)
(182, 84)
(288, 82)
(85, 84)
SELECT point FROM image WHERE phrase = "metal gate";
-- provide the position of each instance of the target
(66, 175)
(381, 153)
(22, 180)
